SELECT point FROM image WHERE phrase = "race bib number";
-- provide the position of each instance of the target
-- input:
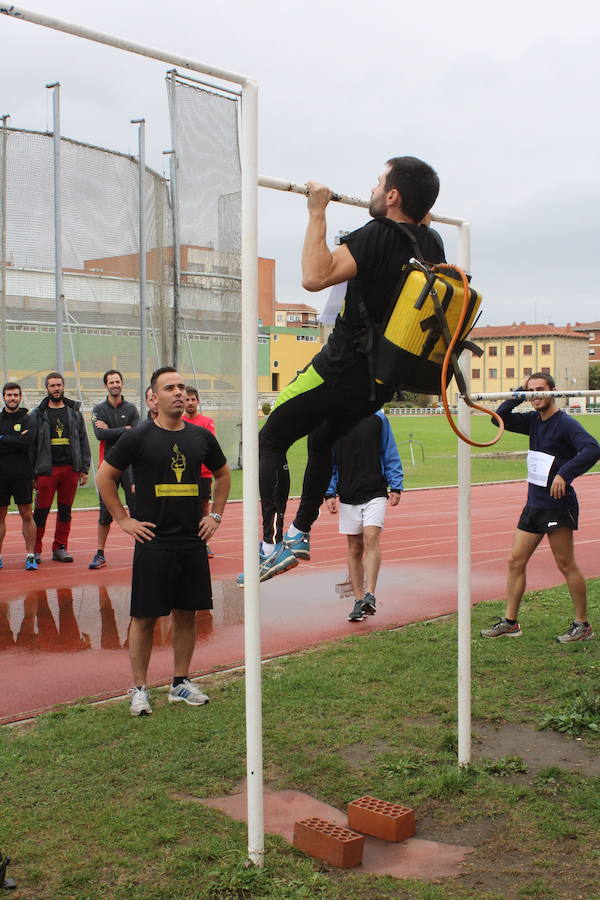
(538, 467)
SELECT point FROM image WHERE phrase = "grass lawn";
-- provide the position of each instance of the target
(439, 445)
(94, 802)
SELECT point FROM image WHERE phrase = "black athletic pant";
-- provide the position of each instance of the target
(324, 412)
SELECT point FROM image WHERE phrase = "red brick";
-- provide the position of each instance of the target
(381, 819)
(332, 843)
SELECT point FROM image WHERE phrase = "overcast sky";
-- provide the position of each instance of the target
(501, 99)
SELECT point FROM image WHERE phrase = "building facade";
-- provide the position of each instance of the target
(592, 329)
(513, 352)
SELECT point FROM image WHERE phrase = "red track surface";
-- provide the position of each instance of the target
(63, 629)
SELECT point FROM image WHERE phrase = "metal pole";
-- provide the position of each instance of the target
(254, 761)
(142, 239)
(60, 358)
(176, 252)
(532, 395)
(464, 543)
(3, 188)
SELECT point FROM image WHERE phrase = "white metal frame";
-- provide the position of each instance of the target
(249, 182)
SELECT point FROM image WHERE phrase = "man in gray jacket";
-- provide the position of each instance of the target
(62, 461)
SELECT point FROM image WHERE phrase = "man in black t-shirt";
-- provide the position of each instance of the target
(170, 565)
(335, 391)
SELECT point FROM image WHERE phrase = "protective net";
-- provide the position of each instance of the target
(100, 239)
(193, 321)
(207, 205)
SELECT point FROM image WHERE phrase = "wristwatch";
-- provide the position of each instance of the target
(216, 517)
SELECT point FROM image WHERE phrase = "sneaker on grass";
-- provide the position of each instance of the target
(502, 628)
(368, 604)
(187, 692)
(299, 544)
(98, 561)
(577, 631)
(140, 704)
(357, 614)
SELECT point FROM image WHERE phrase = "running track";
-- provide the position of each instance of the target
(63, 629)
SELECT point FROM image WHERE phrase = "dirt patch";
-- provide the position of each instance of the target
(363, 754)
(537, 749)
(470, 834)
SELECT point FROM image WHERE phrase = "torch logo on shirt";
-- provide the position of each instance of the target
(178, 463)
(59, 428)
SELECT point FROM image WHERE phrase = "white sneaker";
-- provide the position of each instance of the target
(140, 704)
(189, 693)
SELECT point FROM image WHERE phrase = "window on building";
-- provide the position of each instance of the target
(292, 317)
(492, 373)
(527, 350)
(510, 373)
(275, 364)
(545, 350)
(475, 373)
(527, 371)
(591, 351)
(275, 337)
(275, 381)
(510, 350)
(492, 351)
(545, 370)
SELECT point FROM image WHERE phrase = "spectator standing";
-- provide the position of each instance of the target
(110, 419)
(17, 435)
(62, 462)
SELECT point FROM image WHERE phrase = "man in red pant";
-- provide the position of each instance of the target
(193, 415)
(62, 462)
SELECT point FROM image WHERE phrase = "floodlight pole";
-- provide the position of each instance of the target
(3, 189)
(143, 272)
(173, 164)
(58, 264)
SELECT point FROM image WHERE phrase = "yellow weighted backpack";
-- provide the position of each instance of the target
(410, 345)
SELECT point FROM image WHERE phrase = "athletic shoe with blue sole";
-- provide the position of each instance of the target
(30, 563)
(299, 544)
(276, 563)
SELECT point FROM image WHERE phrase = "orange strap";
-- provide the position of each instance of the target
(446, 363)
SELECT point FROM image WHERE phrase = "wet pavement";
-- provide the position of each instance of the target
(64, 628)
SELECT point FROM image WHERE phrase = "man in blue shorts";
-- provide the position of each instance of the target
(560, 449)
(170, 565)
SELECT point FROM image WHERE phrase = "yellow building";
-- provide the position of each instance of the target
(290, 351)
(512, 352)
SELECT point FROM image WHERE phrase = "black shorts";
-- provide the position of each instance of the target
(544, 521)
(205, 486)
(166, 578)
(17, 486)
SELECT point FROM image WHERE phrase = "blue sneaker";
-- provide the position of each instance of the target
(1, 563)
(277, 562)
(30, 563)
(299, 544)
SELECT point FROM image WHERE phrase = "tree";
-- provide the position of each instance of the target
(595, 377)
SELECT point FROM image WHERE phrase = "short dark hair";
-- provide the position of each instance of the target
(11, 386)
(192, 390)
(547, 378)
(416, 182)
(112, 372)
(149, 388)
(52, 375)
(157, 373)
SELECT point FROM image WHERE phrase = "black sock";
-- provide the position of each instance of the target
(100, 552)
(510, 621)
(177, 681)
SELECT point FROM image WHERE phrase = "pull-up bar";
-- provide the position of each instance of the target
(531, 395)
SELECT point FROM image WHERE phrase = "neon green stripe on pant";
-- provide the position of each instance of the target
(306, 380)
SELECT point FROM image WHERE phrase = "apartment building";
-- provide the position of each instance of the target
(512, 352)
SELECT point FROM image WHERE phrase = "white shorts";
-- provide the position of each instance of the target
(353, 518)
